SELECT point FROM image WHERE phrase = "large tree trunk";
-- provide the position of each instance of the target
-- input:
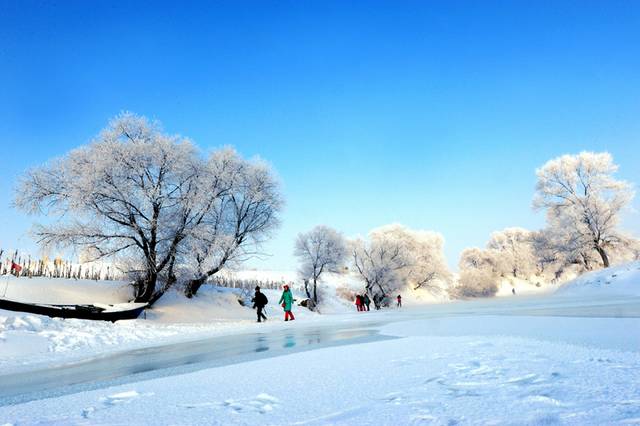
(146, 288)
(156, 296)
(603, 255)
(306, 289)
(171, 276)
(315, 290)
(194, 285)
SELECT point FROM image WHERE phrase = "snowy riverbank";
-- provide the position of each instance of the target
(27, 339)
(31, 339)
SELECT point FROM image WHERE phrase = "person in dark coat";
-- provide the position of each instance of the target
(399, 301)
(366, 300)
(376, 301)
(259, 302)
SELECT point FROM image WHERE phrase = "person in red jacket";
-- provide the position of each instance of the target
(399, 301)
(358, 302)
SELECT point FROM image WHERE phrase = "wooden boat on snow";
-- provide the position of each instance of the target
(96, 311)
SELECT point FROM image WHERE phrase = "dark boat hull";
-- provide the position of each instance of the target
(87, 312)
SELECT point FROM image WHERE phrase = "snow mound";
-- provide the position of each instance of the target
(622, 280)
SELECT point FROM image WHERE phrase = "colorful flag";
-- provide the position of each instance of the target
(16, 267)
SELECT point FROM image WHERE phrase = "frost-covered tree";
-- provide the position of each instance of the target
(424, 254)
(242, 217)
(559, 241)
(582, 193)
(480, 272)
(150, 198)
(122, 194)
(475, 283)
(628, 250)
(320, 250)
(396, 256)
(380, 263)
(477, 258)
(550, 258)
(515, 250)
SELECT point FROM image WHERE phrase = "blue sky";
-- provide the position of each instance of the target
(430, 114)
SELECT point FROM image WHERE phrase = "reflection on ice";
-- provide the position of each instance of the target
(171, 359)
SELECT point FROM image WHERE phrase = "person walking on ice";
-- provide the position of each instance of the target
(399, 301)
(366, 300)
(259, 302)
(287, 301)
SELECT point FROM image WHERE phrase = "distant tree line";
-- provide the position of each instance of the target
(580, 196)
(250, 284)
(23, 265)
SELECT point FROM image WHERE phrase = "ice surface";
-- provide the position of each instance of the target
(568, 358)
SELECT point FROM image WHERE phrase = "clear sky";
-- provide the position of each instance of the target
(431, 114)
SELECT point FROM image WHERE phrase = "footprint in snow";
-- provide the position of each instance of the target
(268, 398)
(459, 367)
(119, 398)
(462, 392)
(197, 405)
(262, 403)
(629, 402)
(483, 370)
(481, 344)
(542, 399)
(408, 360)
(87, 412)
(431, 379)
(523, 380)
(392, 398)
(111, 401)
(423, 418)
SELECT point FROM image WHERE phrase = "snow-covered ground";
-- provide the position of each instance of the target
(27, 339)
(622, 280)
(572, 357)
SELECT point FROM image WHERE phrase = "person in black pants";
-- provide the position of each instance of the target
(259, 302)
(366, 300)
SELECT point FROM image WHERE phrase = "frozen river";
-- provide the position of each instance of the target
(578, 321)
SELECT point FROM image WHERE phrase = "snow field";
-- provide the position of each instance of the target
(412, 380)
(486, 362)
